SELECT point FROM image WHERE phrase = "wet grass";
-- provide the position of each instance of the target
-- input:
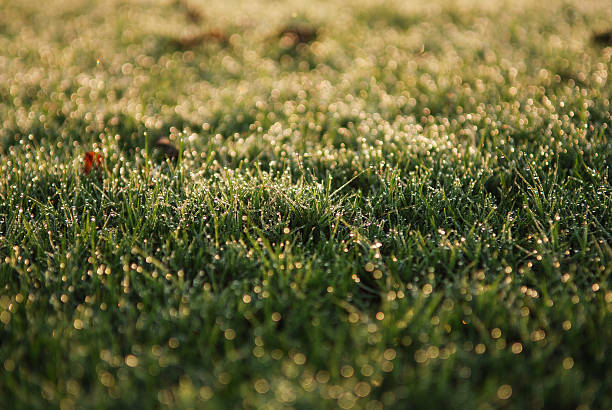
(373, 206)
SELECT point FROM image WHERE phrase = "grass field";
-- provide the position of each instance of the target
(375, 205)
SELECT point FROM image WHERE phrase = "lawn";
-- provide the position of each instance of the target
(367, 205)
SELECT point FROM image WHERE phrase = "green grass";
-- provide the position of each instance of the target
(411, 211)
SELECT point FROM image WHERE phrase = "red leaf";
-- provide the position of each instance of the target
(92, 160)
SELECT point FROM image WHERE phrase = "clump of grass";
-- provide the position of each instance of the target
(393, 213)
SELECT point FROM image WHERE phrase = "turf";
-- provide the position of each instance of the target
(374, 205)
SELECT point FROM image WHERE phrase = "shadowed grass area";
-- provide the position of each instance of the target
(373, 206)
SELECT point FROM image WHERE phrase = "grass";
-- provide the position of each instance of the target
(412, 209)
